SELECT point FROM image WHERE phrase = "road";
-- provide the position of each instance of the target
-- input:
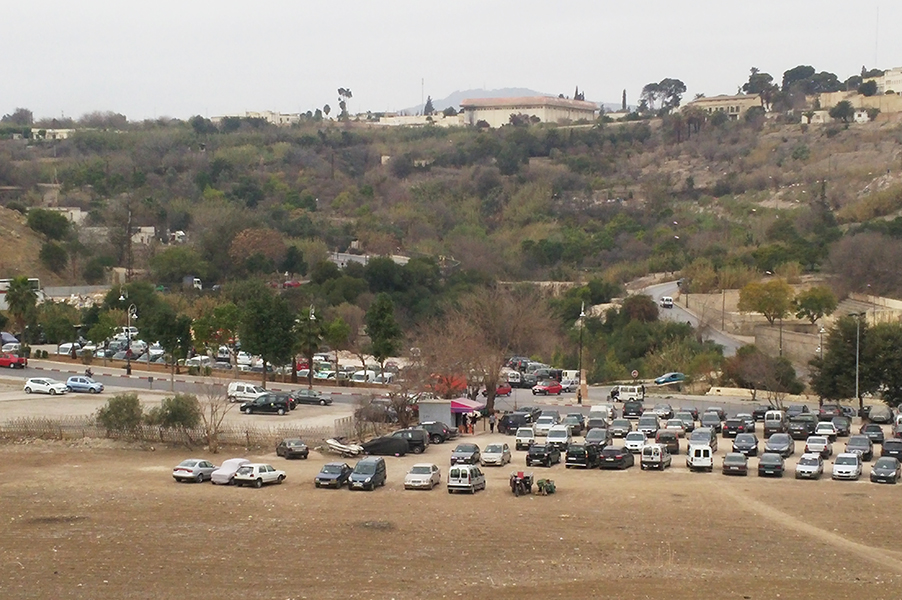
(678, 313)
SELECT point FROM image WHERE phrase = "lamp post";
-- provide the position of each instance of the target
(310, 324)
(857, 350)
(131, 314)
(579, 389)
(820, 347)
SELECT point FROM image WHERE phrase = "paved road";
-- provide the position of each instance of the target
(679, 313)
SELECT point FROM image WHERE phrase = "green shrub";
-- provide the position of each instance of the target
(182, 411)
(122, 414)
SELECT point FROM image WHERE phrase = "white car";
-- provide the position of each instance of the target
(819, 444)
(635, 441)
(847, 466)
(201, 360)
(810, 466)
(826, 428)
(64, 349)
(11, 348)
(422, 476)
(569, 385)
(496, 454)
(666, 302)
(544, 424)
(45, 385)
(256, 474)
(526, 437)
(225, 474)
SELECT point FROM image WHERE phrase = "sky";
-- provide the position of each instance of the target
(178, 58)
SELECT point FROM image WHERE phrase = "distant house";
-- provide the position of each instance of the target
(890, 81)
(51, 134)
(734, 106)
(438, 120)
(276, 118)
(547, 109)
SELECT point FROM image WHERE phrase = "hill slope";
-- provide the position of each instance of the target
(21, 247)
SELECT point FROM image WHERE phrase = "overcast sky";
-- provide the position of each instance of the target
(168, 58)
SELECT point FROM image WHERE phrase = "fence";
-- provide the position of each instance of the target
(229, 435)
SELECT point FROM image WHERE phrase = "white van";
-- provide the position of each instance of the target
(774, 422)
(700, 458)
(526, 437)
(513, 377)
(465, 478)
(384, 379)
(244, 392)
(666, 302)
(655, 456)
(625, 393)
(601, 411)
(364, 376)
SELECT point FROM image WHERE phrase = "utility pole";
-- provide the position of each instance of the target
(128, 243)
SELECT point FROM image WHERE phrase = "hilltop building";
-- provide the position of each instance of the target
(547, 109)
(276, 118)
(734, 106)
(890, 81)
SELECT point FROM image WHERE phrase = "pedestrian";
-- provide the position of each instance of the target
(492, 422)
(472, 424)
(463, 423)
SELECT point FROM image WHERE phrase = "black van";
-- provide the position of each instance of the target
(368, 473)
(510, 423)
(633, 409)
(582, 455)
(417, 439)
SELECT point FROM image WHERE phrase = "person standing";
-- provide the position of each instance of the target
(492, 419)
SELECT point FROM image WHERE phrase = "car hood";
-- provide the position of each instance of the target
(328, 476)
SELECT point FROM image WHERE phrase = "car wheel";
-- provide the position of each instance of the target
(417, 450)
(248, 410)
(322, 402)
(281, 478)
(258, 483)
(280, 412)
(27, 390)
(52, 392)
(94, 390)
(435, 439)
(450, 491)
(199, 478)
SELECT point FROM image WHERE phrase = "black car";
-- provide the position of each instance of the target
(534, 412)
(886, 470)
(467, 454)
(771, 465)
(633, 409)
(746, 443)
(780, 443)
(691, 410)
(306, 396)
(759, 410)
(595, 423)
(511, 422)
(586, 456)
(386, 446)
(542, 454)
(892, 447)
(267, 403)
(439, 433)
(801, 426)
(292, 448)
(828, 411)
(861, 444)
(599, 437)
(873, 431)
(794, 410)
(417, 439)
(712, 420)
(843, 426)
(333, 474)
(719, 410)
(616, 458)
(576, 422)
(734, 426)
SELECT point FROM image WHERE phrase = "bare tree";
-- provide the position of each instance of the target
(214, 408)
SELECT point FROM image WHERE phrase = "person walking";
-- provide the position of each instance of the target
(463, 423)
(492, 419)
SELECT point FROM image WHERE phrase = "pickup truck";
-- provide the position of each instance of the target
(11, 361)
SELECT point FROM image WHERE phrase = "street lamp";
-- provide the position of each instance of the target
(310, 324)
(579, 389)
(131, 314)
(820, 347)
(857, 349)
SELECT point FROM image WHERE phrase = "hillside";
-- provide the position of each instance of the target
(21, 247)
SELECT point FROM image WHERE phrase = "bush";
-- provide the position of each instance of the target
(122, 414)
(182, 411)
(87, 357)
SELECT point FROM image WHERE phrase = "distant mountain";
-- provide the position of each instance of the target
(459, 96)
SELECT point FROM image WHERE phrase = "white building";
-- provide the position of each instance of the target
(890, 81)
(438, 120)
(276, 118)
(547, 109)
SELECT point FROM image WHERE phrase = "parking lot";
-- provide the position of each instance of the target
(89, 520)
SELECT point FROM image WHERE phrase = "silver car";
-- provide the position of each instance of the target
(810, 466)
(422, 476)
(496, 454)
(194, 469)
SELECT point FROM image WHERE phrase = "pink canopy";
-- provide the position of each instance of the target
(465, 405)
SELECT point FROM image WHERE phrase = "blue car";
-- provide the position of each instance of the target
(670, 378)
(81, 383)
(334, 474)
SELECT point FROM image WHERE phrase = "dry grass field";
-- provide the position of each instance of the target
(97, 520)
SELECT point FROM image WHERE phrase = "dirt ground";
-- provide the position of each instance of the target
(91, 520)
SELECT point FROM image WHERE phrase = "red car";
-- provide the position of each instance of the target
(503, 389)
(11, 361)
(546, 388)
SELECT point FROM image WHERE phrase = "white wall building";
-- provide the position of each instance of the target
(548, 109)
(890, 81)
(276, 118)
(438, 120)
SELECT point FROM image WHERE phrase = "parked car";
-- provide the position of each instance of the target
(746, 443)
(569, 385)
(635, 441)
(465, 478)
(712, 420)
(545, 423)
(704, 436)
(687, 419)
(575, 421)
(82, 383)
(843, 426)
(597, 422)
(874, 432)
(668, 378)
(417, 439)
(892, 447)
(794, 410)
(386, 446)
(750, 425)
(496, 454)
(759, 410)
(598, 437)
(820, 445)
(439, 433)
(238, 391)
(827, 429)
(543, 454)
(771, 464)
(559, 436)
(308, 396)
(880, 414)
(700, 457)
(847, 466)
(655, 456)
(648, 424)
(466, 454)
(526, 437)
(669, 440)
(267, 403)
(225, 474)
(194, 469)
(827, 411)
(333, 474)
(422, 476)
(12, 361)
(780, 443)
(735, 463)
(886, 470)
(801, 426)
(586, 456)
(258, 474)
(620, 427)
(292, 448)
(502, 389)
(616, 458)
(368, 474)
(45, 385)
(510, 423)
(547, 388)
(633, 409)
(810, 466)
(862, 445)
(734, 426)
(663, 410)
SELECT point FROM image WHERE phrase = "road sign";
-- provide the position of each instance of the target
(635, 374)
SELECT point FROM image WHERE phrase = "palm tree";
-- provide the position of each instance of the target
(21, 300)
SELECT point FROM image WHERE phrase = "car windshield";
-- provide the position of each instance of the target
(466, 448)
(684, 416)
(873, 427)
(710, 417)
(537, 448)
(665, 407)
(576, 450)
(675, 423)
(817, 441)
(808, 461)
(188, 463)
(557, 433)
(772, 459)
(620, 423)
(596, 434)
(734, 459)
(855, 442)
(745, 438)
(700, 435)
(423, 470)
(779, 438)
(294, 443)
(365, 468)
(494, 449)
(332, 469)
(525, 432)
(846, 460)
(635, 435)
(545, 421)
(245, 470)
(648, 420)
